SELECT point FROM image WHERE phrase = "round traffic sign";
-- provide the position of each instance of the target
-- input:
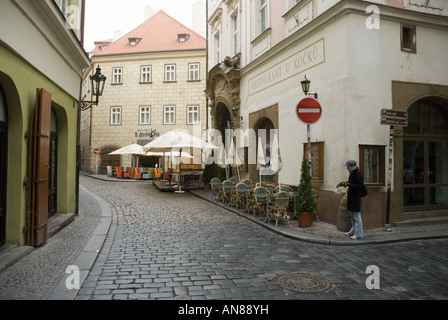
(308, 110)
(96, 151)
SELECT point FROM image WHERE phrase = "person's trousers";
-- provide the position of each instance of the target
(356, 229)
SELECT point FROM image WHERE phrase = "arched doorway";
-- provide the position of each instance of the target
(425, 154)
(53, 165)
(3, 164)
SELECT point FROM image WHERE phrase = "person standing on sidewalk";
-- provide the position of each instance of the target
(355, 183)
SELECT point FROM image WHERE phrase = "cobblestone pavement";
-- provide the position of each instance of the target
(177, 246)
(36, 275)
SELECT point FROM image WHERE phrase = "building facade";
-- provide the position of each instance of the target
(156, 78)
(361, 57)
(41, 63)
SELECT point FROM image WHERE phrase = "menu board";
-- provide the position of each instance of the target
(317, 159)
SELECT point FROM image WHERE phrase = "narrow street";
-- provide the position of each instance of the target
(177, 246)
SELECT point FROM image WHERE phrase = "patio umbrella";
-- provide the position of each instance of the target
(276, 158)
(130, 149)
(177, 140)
(261, 159)
(233, 158)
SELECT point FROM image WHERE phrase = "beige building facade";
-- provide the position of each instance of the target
(147, 94)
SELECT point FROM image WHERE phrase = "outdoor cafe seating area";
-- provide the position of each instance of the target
(269, 202)
(140, 173)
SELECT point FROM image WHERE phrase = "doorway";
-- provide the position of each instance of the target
(425, 150)
(53, 167)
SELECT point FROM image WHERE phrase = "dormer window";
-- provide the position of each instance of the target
(134, 41)
(183, 37)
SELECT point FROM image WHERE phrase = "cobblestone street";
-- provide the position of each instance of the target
(177, 246)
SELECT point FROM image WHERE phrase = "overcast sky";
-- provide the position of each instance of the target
(102, 17)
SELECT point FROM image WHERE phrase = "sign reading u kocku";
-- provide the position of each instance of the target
(308, 110)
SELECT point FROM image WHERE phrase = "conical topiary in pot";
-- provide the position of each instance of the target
(305, 204)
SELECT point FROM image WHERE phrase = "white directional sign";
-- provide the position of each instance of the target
(394, 117)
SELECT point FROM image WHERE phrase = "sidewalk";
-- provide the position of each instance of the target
(324, 233)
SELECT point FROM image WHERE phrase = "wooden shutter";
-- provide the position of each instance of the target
(38, 169)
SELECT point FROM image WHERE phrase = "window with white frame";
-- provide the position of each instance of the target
(234, 32)
(217, 46)
(291, 3)
(193, 71)
(117, 75)
(169, 114)
(145, 115)
(193, 114)
(146, 76)
(170, 72)
(264, 15)
(115, 116)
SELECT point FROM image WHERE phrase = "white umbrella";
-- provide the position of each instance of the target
(177, 140)
(261, 159)
(276, 158)
(130, 149)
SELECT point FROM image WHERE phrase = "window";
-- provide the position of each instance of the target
(217, 47)
(193, 71)
(117, 75)
(317, 159)
(192, 114)
(183, 37)
(372, 164)
(263, 15)
(291, 4)
(169, 114)
(115, 116)
(170, 72)
(134, 41)
(146, 76)
(408, 39)
(234, 33)
(145, 115)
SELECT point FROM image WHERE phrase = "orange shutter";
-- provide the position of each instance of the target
(38, 169)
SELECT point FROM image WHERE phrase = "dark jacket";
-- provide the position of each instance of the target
(356, 181)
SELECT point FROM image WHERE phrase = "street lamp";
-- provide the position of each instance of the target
(98, 80)
(306, 88)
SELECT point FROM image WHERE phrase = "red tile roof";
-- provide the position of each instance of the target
(158, 33)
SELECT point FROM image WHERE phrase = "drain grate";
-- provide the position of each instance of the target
(303, 283)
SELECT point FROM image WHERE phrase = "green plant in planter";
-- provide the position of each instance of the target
(305, 200)
(207, 175)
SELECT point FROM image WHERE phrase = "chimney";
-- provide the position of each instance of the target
(117, 35)
(149, 12)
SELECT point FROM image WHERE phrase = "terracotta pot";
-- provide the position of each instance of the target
(304, 219)
(207, 186)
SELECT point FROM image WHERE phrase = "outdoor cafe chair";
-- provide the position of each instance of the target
(118, 172)
(279, 207)
(261, 184)
(260, 198)
(215, 185)
(109, 171)
(283, 188)
(240, 194)
(234, 180)
(226, 189)
(249, 183)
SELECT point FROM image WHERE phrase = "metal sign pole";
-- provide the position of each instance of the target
(309, 145)
(389, 180)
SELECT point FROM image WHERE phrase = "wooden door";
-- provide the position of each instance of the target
(38, 169)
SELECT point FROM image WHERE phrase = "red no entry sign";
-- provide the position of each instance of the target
(309, 110)
(96, 151)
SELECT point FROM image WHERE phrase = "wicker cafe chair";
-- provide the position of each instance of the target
(240, 195)
(215, 184)
(279, 208)
(226, 191)
(260, 195)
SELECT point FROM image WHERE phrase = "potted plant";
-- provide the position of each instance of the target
(207, 175)
(305, 204)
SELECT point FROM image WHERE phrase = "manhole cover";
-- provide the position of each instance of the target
(303, 283)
